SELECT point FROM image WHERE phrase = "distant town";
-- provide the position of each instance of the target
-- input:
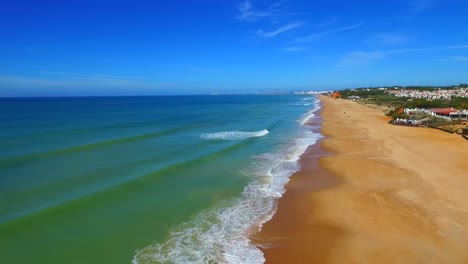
(434, 94)
(426, 92)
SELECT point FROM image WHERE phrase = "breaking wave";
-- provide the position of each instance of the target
(234, 135)
(311, 113)
(221, 234)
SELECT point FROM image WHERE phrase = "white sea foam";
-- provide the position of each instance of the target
(221, 235)
(302, 104)
(234, 135)
(307, 116)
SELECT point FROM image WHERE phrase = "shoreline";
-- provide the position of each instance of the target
(370, 192)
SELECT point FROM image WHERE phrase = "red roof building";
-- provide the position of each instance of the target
(444, 111)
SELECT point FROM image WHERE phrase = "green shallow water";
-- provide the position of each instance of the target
(92, 180)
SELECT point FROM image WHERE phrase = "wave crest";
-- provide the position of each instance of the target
(311, 113)
(221, 235)
(234, 135)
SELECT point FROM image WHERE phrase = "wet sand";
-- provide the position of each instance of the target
(373, 193)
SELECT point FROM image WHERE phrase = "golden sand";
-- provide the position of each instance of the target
(386, 194)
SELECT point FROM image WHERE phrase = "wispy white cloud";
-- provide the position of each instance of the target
(21, 81)
(248, 12)
(460, 58)
(328, 33)
(361, 57)
(425, 49)
(327, 23)
(56, 72)
(33, 86)
(366, 57)
(459, 47)
(282, 29)
(296, 48)
(389, 39)
(418, 6)
(88, 75)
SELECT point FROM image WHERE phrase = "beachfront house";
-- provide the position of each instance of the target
(445, 113)
(400, 121)
(463, 114)
(417, 111)
(450, 113)
(413, 121)
(416, 122)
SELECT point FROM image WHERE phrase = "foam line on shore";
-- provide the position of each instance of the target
(221, 235)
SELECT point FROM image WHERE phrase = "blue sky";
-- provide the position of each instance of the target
(60, 48)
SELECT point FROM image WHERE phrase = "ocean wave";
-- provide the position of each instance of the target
(20, 159)
(234, 135)
(221, 235)
(302, 104)
(311, 113)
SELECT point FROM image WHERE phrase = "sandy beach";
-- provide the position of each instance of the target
(373, 193)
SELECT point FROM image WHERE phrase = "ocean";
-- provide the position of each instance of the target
(158, 179)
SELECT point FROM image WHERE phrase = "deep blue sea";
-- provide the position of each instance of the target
(163, 179)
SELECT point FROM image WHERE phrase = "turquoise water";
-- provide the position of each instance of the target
(180, 179)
